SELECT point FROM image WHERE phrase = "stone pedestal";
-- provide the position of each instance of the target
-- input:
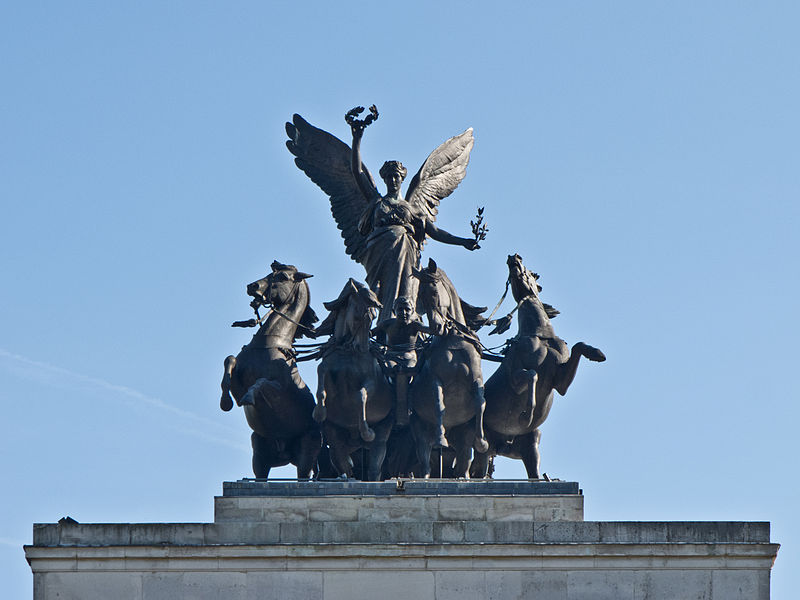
(402, 539)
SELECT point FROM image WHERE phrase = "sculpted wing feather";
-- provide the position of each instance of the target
(326, 161)
(440, 174)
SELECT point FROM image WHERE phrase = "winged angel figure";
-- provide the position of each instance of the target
(383, 233)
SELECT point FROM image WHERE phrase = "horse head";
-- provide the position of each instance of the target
(523, 282)
(439, 298)
(280, 288)
(286, 292)
(351, 316)
(525, 289)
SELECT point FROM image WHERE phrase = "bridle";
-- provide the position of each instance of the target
(271, 306)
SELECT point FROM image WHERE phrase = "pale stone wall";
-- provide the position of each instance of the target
(416, 546)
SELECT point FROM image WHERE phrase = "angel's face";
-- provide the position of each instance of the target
(393, 180)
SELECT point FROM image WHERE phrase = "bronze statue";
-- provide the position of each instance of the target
(354, 400)
(519, 394)
(426, 376)
(264, 379)
(402, 334)
(447, 393)
(383, 233)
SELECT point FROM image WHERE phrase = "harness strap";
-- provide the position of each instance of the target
(502, 298)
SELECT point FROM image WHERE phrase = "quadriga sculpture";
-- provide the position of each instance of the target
(264, 380)
(447, 393)
(519, 394)
(354, 399)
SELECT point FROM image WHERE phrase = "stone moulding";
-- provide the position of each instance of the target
(508, 543)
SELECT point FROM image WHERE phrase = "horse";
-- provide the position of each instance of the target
(354, 399)
(447, 393)
(264, 379)
(519, 394)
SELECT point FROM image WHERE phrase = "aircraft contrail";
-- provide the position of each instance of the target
(44, 371)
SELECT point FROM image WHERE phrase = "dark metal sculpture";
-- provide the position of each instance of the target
(354, 399)
(402, 334)
(448, 397)
(264, 380)
(519, 394)
(386, 397)
(383, 233)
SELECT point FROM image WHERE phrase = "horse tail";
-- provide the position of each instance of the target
(226, 402)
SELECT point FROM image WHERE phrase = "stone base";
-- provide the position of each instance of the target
(408, 539)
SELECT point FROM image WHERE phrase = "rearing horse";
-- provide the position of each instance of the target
(354, 399)
(264, 379)
(447, 393)
(519, 394)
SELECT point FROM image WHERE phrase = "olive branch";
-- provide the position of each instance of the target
(479, 229)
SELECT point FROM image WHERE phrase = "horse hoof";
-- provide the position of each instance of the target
(320, 413)
(367, 434)
(594, 354)
(226, 403)
(481, 445)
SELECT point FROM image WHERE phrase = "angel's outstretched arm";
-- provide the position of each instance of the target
(440, 235)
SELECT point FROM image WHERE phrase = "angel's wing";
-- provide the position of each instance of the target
(440, 174)
(326, 161)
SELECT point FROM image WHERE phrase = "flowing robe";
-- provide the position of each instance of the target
(394, 235)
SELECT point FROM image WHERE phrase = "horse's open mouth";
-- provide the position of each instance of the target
(256, 292)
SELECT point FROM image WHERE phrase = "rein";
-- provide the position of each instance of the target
(502, 298)
(280, 314)
(260, 320)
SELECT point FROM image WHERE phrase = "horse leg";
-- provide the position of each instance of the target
(377, 451)
(441, 440)
(258, 388)
(261, 456)
(479, 401)
(529, 450)
(463, 446)
(320, 412)
(480, 465)
(340, 457)
(226, 402)
(566, 374)
(528, 378)
(423, 444)
(480, 444)
(401, 409)
(310, 444)
(364, 430)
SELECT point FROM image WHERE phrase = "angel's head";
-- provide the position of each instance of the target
(393, 173)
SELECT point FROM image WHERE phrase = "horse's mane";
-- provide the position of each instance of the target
(307, 323)
(326, 327)
(472, 315)
(551, 312)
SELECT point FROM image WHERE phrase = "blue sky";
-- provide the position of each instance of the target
(642, 157)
